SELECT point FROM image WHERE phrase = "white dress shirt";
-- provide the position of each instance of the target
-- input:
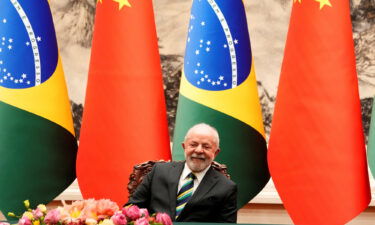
(199, 176)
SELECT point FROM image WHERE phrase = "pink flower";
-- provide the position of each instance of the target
(75, 222)
(89, 212)
(37, 213)
(119, 219)
(76, 206)
(144, 213)
(91, 221)
(64, 214)
(3, 223)
(106, 207)
(52, 217)
(73, 210)
(141, 221)
(163, 218)
(24, 221)
(132, 212)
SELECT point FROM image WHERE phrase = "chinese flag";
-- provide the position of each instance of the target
(316, 152)
(124, 121)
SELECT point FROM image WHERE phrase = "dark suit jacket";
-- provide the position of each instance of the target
(215, 199)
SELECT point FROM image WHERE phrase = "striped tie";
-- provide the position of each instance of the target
(185, 193)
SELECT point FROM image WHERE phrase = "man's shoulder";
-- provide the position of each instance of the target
(168, 165)
(222, 178)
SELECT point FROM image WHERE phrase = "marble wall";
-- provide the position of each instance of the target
(267, 21)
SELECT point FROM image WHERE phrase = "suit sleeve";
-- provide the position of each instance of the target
(141, 196)
(228, 212)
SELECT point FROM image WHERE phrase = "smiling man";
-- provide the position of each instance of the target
(190, 191)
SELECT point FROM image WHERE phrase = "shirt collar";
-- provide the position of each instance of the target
(198, 175)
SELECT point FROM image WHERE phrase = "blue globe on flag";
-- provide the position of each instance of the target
(25, 59)
(217, 51)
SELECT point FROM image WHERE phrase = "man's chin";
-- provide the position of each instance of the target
(195, 167)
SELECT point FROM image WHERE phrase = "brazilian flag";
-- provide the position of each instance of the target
(371, 143)
(37, 143)
(218, 87)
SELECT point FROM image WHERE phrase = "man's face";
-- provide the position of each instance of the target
(200, 149)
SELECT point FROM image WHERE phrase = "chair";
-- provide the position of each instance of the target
(142, 169)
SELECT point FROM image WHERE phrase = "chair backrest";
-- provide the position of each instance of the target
(142, 169)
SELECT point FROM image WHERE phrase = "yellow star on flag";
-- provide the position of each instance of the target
(297, 0)
(323, 3)
(121, 3)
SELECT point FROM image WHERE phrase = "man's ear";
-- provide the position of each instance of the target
(183, 145)
(217, 152)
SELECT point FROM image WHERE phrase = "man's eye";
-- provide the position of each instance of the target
(207, 147)
(193, 144)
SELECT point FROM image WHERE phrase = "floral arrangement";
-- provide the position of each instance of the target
(90, 212)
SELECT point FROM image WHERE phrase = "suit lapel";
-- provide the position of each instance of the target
(174, 175)
(208, 182)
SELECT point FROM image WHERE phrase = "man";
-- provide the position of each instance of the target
(207, 195)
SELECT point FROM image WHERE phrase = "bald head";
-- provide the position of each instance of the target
(203, 127)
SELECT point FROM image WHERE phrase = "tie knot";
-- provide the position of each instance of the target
(191, 175)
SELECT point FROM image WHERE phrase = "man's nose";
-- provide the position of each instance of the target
(199, 149)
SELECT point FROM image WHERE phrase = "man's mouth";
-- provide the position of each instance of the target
(198, 158)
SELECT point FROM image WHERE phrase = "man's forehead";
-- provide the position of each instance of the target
(201, 138)
(201, 131)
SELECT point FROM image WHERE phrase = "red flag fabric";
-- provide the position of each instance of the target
(317, 153)
(124, 119)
